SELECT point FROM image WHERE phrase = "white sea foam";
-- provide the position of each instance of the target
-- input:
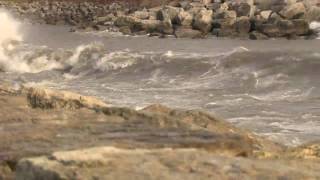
(316, 27)
(10, 59)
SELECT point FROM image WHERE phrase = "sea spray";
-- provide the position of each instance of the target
(9, 35)
(9, 30)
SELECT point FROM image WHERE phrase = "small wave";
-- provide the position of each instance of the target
(293, 95)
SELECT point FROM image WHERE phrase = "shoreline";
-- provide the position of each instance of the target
(183, 19)
(78, 129)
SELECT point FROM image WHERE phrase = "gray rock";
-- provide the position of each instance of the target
(185, 32)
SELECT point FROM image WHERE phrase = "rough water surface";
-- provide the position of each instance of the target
(269, 87)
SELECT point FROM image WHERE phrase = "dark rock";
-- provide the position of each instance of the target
(271, 30)
(301, 26)
(257, 36)
(165, 26)
(242, 9)
(243, 25)
(286, 28)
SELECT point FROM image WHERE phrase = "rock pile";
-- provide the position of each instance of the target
(254, 19)
(248, 19)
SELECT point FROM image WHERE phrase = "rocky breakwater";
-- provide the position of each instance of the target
(83, 15)
(254, 19)
(47, 134)
(242, 18)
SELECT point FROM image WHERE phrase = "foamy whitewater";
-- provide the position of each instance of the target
(270, 87)
(315, 26)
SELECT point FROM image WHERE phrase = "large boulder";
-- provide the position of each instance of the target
(151, 26)
(311, 3)
(278, 5)
(185, 18)
(286, 28)
(185, 32)
(128, 21)
(301, 27)
(173, 13)
(271, 30)
(313, 14)
(293, 11)
(141, 14)
(242, 9)
(203, 20)
(166, 24)
(243, 25)
(224, 23)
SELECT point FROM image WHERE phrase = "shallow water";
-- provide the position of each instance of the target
(269, 87)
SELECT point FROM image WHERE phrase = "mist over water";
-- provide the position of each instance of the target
(270, 87)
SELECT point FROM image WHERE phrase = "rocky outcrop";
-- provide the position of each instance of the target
(275, 19)
(49, 99)
(189, 164)
(308, 151)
